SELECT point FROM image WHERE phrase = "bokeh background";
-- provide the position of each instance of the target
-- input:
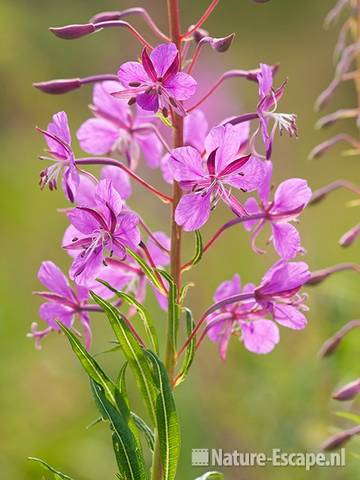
(249, 403)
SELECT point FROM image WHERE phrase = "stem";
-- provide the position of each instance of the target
(357, 79)
(116, 163)
(202, 19)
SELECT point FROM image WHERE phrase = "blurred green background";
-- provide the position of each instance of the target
(249, 403)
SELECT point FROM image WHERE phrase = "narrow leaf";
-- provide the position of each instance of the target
(142, 311)
(90, 365)
(349, 416)
(145, 429)
(128, 455)
(51, 469)
(190, 351)
(133, 353)
(198, 251)
(149, 272)
(173, 309)
(167, 422)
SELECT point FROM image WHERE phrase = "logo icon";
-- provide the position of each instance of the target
(200, 457)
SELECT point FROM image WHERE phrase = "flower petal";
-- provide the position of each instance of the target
(291, 195)
(160, 257)
(148, 101)
(119, 180)
(251, 206)
(195, 130)
(54, 280)
(193, 211)
(60, 128)
(132, 72)
(181, 86)
(162, 57)
(249, 177)
(98, 136)
(228, 288)
(226, 140)
(52, 312)
(260, 336)
(187, 166)
(286, 240)
(151, 147)
(108, 106)
(289, 316)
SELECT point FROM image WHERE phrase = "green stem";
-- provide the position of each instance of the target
(175, 252)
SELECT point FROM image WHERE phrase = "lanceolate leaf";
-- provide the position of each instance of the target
(190, 351)
(166, 419)
(144, 427)
(128, 455)
(149, 272)
(133, 352)
(48, 467)
(173, 309)
(90, 365)
(143, 312)
(349, 416)
(211, 476)
(198, 251)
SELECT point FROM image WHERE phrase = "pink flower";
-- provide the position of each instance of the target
(277, 296)
(157, 83)
(290, 199)
(207, 179)
(267, 106)
(58, 139)
(116, 129)
(64, 304)
(100, 231)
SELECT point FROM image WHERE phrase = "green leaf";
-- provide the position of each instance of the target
(147, 269)
(198, 251)
(349, 416)
(128, 454)
(58, 475)
(133, 353)
(190, 351)
(144, 427)
(211, 476)
(184, 291)
(142, 311)
(167, 423)
(90, 365)
(173, 309)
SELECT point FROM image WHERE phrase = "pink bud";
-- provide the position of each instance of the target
(222, 44)
(73, 31)
(349, 237)
(59, 86)
(199, 34)
(347, 392)
(338, 440)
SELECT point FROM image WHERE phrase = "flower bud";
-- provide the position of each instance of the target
(199, 34)
(58, 86)
(105, 17)
(330, 346)
(349, 237)
(338, 440)
(73, 31)
(347, 392)
(222, 44)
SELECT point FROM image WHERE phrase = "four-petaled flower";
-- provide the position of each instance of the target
(64, 304)
(58, 139)
(207, 179)
(115, 129)
(100, 230)
(157, 82)
(290, 199)
(276, 296)
(267, 106)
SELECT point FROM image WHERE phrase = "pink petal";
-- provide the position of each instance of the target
(291, 194)
(83, 221)
(186, 165)
(85, 193)
(85, 269)
(160, 257)
(252, 208)
(289, 316)
(60, 128)
(53, 312)
(265, 79)
(127, 231)
(228, 288)
(166, 170)
(151, 147)
(148, 101)
(260, 336)
(119, 180)
(54, 280)
(284, 277)
(116, 277)
(227, 142)
(98, 136)
(107, 105)
(265, 187)
(252, 177)
(131, 72)
(162, 57)
(193, 211)
(107, 195)
(195, 130)
(181, 86)
(286, 240)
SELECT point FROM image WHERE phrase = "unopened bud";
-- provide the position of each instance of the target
(58, 86)
(332, 343)
(73, 31)
(349, 237)
(199, 34)
(338, 440)
(222, 44)
(348, 392)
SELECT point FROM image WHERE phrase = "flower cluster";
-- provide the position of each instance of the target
(108, 240)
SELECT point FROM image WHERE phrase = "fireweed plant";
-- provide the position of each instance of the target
(347, 59)
(146, 111)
